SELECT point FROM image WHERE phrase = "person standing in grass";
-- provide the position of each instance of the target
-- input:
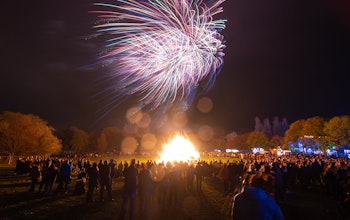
(200, 172)
(50, 179)
(34, 175)
(43, 175)
(145, 189)
(174, 180)
(65, 177)
(129, 192)
(105, 181)
(93, 174)
(224, 174)
(112, 165)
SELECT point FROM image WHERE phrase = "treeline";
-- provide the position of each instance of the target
(322, 133)
(26, 134)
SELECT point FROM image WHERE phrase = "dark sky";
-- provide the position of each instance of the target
(289, 59)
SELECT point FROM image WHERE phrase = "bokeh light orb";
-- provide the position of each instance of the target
(134, 115)
(148, 141)
(129, 144)
(205, 105)
(205, 133)
(145, 121)
(179, 119)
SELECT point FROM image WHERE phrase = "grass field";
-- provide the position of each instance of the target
(212, 203)
(17, 203)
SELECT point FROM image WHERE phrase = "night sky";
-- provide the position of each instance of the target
(289, 59)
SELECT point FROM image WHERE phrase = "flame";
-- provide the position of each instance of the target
(179, 149)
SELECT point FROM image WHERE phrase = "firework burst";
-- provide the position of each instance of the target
(162, 51)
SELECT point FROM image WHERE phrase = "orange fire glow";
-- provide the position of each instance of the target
(179, 149)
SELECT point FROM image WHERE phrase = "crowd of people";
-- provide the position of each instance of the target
(275, 176)
(244, 177)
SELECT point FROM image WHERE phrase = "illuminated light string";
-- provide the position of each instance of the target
(161, 50)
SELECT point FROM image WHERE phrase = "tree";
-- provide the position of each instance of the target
(338, 129)
(26, 134)
(294, 132)
(277, 141)
(314, 127)
(218, 142)
(93, 141)
(267, 128)
(258, 139)
(74, 139)
(313, 131)
(230, 139)
(284, 126)
(110, 138)
(258, 124)
(102, 143)
(240, 141)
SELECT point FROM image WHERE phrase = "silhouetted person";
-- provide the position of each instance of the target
(105, 181)
(93, 175)
(43, 176)
(129, 192)
(113, 175)
(174, 179)
(278, 184)
(50, 179)
(225, 176)
(34, 176)
(65, 177)
(82, 173)
(80, 187)
(190, 174)
(200, 172)
(163, 186)
(145, 190)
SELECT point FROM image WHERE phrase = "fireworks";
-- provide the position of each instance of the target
(162, 51)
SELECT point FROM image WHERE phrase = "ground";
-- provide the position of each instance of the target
(211, 203)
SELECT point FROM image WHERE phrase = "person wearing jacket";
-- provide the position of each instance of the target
(255, 202)
(93, 174)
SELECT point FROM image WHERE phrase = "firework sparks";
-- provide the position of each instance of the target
(161, 50)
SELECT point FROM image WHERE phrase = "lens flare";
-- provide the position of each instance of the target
(162, 51)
